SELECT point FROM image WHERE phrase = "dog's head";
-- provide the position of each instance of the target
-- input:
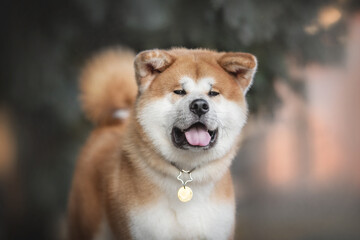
(191, 103)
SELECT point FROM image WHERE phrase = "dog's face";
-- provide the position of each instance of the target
(191, 103)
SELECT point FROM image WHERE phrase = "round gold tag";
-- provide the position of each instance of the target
(185, 194)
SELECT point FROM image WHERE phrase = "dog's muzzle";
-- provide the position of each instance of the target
(198, 134)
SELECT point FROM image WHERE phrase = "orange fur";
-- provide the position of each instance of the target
(107, 83)
(113, 172)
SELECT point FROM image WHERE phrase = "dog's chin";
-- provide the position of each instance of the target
(180, 140)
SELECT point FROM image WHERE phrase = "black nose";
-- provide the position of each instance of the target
(199, 107)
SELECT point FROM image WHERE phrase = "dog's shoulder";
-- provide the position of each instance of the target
(85, 202)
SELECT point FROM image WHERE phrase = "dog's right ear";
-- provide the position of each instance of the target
(149, 64)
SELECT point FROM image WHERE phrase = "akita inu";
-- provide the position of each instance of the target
(163, 172)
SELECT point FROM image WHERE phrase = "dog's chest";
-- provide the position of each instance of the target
(172, 219)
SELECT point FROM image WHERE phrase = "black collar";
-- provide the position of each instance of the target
(182, 170)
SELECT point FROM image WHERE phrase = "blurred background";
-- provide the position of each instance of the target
(297, 175)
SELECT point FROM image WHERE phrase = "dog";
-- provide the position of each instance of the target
(157, 164)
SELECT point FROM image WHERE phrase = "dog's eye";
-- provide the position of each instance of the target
(180, 92)
(213, 93)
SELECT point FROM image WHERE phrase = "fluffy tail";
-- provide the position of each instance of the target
(108, 86)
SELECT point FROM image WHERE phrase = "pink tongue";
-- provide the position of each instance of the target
(198, 137)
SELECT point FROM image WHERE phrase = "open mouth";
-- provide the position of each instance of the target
(197, 135)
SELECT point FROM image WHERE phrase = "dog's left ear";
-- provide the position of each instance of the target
(241, 65)
(149, 64)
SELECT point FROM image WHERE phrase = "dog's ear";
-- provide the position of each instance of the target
(240, 65)
(149, 64)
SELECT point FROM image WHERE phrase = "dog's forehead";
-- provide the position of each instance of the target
(200, 85)
(197, 72)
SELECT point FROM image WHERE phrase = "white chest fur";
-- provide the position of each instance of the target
(169, 218)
